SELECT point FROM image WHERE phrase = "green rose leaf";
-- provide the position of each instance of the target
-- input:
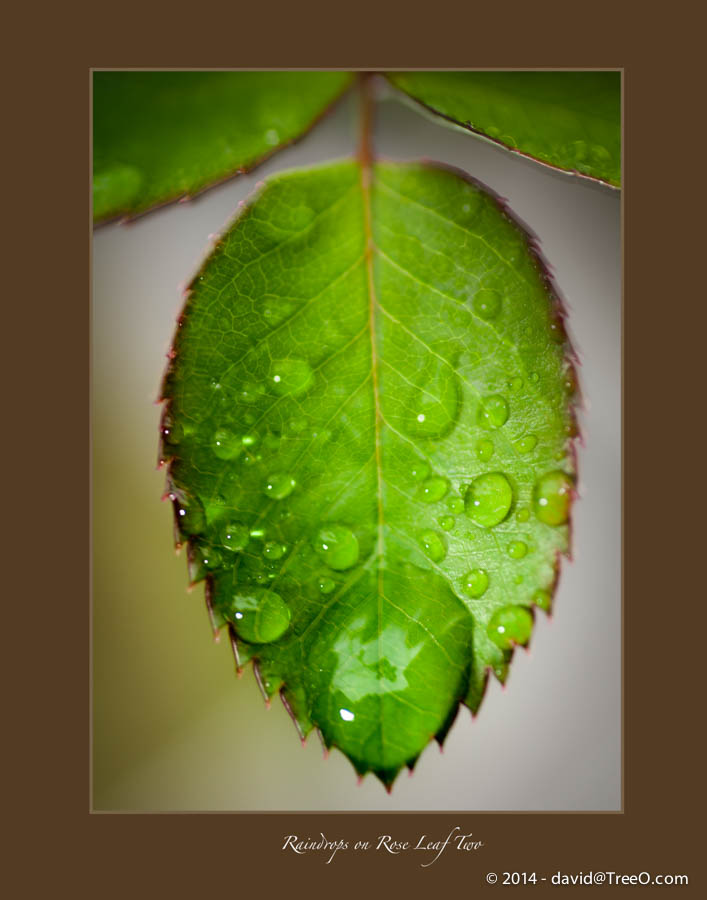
(159, 136)
(368, 431)
(569, 120)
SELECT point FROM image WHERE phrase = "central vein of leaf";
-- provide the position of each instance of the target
(366, 177)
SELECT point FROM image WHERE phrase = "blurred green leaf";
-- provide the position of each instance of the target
(368, 429)
(158, 136)
(570, 120)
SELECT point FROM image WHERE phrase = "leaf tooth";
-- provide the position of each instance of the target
(208, 594)
(259, 680)
(291, 714)
(234, 649)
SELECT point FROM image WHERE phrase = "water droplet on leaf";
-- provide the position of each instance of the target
(259, 616)
(517, 549)
(510, 625)
(279, 486)
(486, 303)
(475, 583)
(542, 599)
(551, 498)
(446, 523)
(433, 489)
(225, 444)
(527, 443)
(337, 546)
(488, 499)
(493, 411)
(433, 545)
(484, 449)
(291, 377)
(273, 550)
(235, 536)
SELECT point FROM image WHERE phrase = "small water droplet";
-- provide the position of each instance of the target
(251, 393)
(259, 615)
(431, 408)
(337, 546)
(420, 470)
(209, 557)
(190, 515)
(272, 137)
(433, 489)
(225, 444)
(510, 625)
(493, 411)
(279, 486)
(484, 449)
(326, 585)
(551, 498)
(488, 499)
(515, 384)
(534, 377)
(276, 310)
(542, 598)
(291, 377)
(172, 433)
(517, 549)
(347, 715)
(486, 303)
(433, 545)
(455, 504)
(273, 550)
(235, 536)
(525, 444)
(475, 582)
(446, 523)
(523, 515)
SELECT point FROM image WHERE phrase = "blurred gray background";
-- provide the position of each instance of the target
(173, 729)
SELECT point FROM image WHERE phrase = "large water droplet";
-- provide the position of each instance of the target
(493, 411)
(475, 583)
(235, 536)
(433, 545)
(510, 625)
(517, 549)
(527, 443)
(488, 499)
(484, 449)
(551, 498)
(433, 489)
(337, 546)
(279, 486)
(259, 615)
(486, 303)
(225, 444)
(292, 377)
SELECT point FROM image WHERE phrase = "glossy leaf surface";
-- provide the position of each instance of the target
(370, 452)
(570, 120)
(163, 135)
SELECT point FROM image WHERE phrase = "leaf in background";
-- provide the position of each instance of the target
(158, 136)
(370, 453)
(570, 120)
